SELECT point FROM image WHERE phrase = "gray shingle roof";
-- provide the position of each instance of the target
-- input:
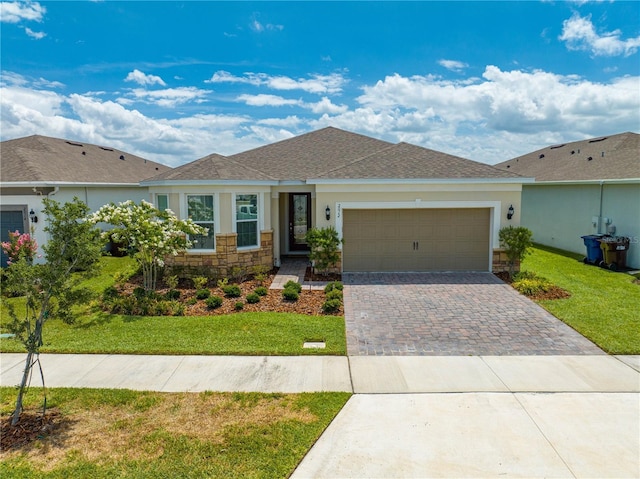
(43, 159)
(407, 161)
(602, 158)
(311, 154)
(211, 168)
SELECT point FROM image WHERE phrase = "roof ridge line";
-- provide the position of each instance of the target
(236, 162)
(352, 162)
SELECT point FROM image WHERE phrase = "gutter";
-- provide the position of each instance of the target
(600, 212)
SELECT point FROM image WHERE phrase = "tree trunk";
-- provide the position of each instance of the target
(15, 417)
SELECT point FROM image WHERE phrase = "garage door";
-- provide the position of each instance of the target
(416, 240)
(9, 221)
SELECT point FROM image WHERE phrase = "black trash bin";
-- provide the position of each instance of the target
(614, 252)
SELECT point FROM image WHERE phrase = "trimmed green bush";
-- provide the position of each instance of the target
(232, 291)
(531, 287)
(331, 306)
(172, 294)
(253, 298)
(334, 285)
(200, 282)
(293, 285)
(239, 305)
(290, 294)
(334, 294)
(261, 291)
(203, 293)
(214, 302)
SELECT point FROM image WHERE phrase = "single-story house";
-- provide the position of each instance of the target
(35, 167)
(581, 188)
(398, 207)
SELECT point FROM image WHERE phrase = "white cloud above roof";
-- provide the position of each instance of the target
(143, 79)
(16, 12)
(315, 83)
(579, 33)
(36, 35)
(453, 65)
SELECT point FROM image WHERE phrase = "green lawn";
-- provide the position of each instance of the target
(603, 305)
(103, 433)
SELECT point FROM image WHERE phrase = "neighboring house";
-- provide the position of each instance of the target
(398, 207)
(584, 187)
(35, 167)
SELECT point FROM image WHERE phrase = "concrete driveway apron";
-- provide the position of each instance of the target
(444, 314)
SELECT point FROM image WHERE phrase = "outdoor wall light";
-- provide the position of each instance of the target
(510, 212)
(32, 216)
(327, 213)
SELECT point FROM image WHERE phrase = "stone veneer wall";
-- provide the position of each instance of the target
(501, 261)
(226, 257)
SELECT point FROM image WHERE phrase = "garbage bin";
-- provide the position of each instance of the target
(614, 251)
(594, 253)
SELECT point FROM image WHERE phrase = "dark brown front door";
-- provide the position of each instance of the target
(299, 220)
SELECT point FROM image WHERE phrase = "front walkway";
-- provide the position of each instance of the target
(294, 269)
(450, 314)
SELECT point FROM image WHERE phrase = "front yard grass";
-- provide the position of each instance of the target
(603, 305)
(104, 433)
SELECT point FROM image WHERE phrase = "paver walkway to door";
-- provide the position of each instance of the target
(450, 314)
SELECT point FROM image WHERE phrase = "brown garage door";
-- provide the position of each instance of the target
(416, 240)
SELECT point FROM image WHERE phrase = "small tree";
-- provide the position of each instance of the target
(323, 248)
(49, 289)
(151, 234)
(517, 243)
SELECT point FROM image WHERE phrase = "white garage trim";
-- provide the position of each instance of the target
(495, 209)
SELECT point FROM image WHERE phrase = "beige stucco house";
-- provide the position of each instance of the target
(581, 188)
(398, 207)
(35, 167)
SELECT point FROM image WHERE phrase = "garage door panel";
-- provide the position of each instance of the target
(416, 240)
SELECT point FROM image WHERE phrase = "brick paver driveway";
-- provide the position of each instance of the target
(450, 314)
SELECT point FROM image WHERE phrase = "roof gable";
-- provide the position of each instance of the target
(407, 161)
(43, 159)
(311, 154)
(601, 158)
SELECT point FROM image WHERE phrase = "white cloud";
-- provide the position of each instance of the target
(258, 27)
(316, 83)
(142, 79)
(168, 97)
(453, 65)
(36, 35)
(267, 100)
(580, 34)
(15, 12)
(326, 106)
(290, 121)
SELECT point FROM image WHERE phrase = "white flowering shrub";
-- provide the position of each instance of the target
(151, 234)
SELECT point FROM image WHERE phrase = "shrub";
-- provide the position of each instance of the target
(109, 293)
(331, 305)
(532, 287)
(261, 291)
(171, 281)
(293, 285)
(260, 273)
(334, 285)
(334, 294)
(192, 301)
(239, 305)
(238, 274)
(172, 294)
(223, 282)
(232, 291)
(323, 248)
(253, 298)
(290, 294)
(203, 293)
(214, 302)
(199, 282)
(517, 244)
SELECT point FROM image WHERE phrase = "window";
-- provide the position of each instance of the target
(162, 202)
(247, 220)
(200, 211)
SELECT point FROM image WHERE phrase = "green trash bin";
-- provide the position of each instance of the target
(614, 252)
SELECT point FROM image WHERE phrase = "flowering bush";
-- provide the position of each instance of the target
(150, 233)
(20, 245)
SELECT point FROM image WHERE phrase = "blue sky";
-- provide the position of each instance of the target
(175, 81)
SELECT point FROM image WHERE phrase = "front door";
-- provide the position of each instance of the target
(299, 220)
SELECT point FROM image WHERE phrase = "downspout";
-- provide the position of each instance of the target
(600, 212)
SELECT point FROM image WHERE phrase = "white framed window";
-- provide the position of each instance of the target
(162, 202)
(200, 209)
(246, 220)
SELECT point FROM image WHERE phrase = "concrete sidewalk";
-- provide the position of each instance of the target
(415, 417)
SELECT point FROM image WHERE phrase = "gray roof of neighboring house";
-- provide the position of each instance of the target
(212, 168)
(41, 159)
(407, 161)
(602, 158)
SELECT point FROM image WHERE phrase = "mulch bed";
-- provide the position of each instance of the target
(555, 292)
(32, 427)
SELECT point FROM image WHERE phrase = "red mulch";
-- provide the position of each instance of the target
(31, 428)
(309, 302)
